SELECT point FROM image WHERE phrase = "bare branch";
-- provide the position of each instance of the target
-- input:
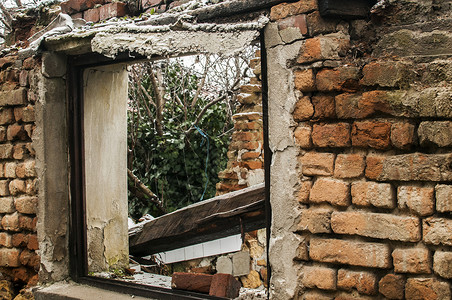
(18, 3)
(201, 84)
(159, 101)
(141, 187)
(6, 14)
(202, 112)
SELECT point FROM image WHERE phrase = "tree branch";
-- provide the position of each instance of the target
(201, 85)
(137, 184)
(8, 16)
(159, 102)
(202, 112)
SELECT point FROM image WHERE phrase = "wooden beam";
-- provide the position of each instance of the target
(349, 9)
(225, 215)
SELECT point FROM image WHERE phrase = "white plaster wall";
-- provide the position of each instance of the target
(105, 138)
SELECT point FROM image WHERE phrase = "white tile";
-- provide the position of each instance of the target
(211, 248)
(230, 244)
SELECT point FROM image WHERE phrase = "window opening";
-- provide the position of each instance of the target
(189, 130)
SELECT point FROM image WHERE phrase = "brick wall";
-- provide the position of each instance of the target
(19, 259)
(373, 129)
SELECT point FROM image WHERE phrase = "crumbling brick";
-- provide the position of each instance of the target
(349, 166)
(412, 260)
(319, 277)
(331, 191)
(392, 286)
(331, 135)
(363, 282)
(417, 199)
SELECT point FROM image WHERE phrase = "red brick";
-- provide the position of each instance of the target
(27, 223)
(303, 192)
(298, 21)
(373, 255)
(110, 10)
(4, 188)
(250, 155)
(363, 282)
(427, 289)
(77, 16)
(442, 264)
(412, 260)
(338, 79)
(319, 277)
(437, 231)
(26, 169)
(315, 295)
(392, 286)
(191, 282)
(322, 48)
(331, 135)
(29, 63)
(31, 187)
(10, 222)
(224, 285)
(9, 257)
(314, 163)
(330, 191)
(74, 6)
(302, 136)
(285, 10)
(376, 225)
(304, 80)
(20, 240)
(92, 15)
(29, 258)
(303, 109)
(357, 106)
(302, 252)
(443, 198)
(6, 116)
(366, 193)
(315, 220)
(7, 61)
(28, 114)
(6, 151)
(349, 166)
(252, 165)
(324, 107)
(403, 135)
(251, 88)
(33, 242)
(419, 200)
(386, 74)
(14, 97)
(6, 240)
(372, 134)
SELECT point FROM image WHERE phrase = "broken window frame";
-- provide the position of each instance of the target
(78, 227)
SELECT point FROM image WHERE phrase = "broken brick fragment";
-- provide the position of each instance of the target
(191, 282)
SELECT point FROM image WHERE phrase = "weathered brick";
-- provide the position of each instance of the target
(26, 169)
(28, 114)
(303, 109)
(33, 243)
(324, 107)
(427, 289)
(14, 97)
(319, 277)
(10, 170)
(6, 240)
(23, 78)
(374, 255)
(285, 10)
(31, 186)
(26, 205)
(315, 163)
(376, 225)
(250, 155)
(357, 106)
(4, 188)
(412, 260)
(6, 116)
(315, 220)
(443, 198)
(20, 240)
(305, 81)
(92, 15)
(17, 186)
(363, 282)
(2, 134)
(392, 286)
(411, 167)
(318, 25)
(367, 193)
(9, 257)
(29, 258)
(331, 135)
(302, 136)
(303, 192)
(332, 191)
(16, 132)
(437, 133)
(29, 63)
(6, 151)
(437, 231)
(292, 28)
(6, 205)
(442, 264)
(417, 199)
(74, 6)
(314, 295)
(27, 223)
(338, 79)
(402, 135)
(224, 285)
(374, 134)
(114, 9)
(330, 46)
(7, 61)
(11, 222)
(349, 166)
(384, 73)
(302, 252)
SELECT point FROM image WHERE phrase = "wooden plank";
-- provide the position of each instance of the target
(215, 218)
